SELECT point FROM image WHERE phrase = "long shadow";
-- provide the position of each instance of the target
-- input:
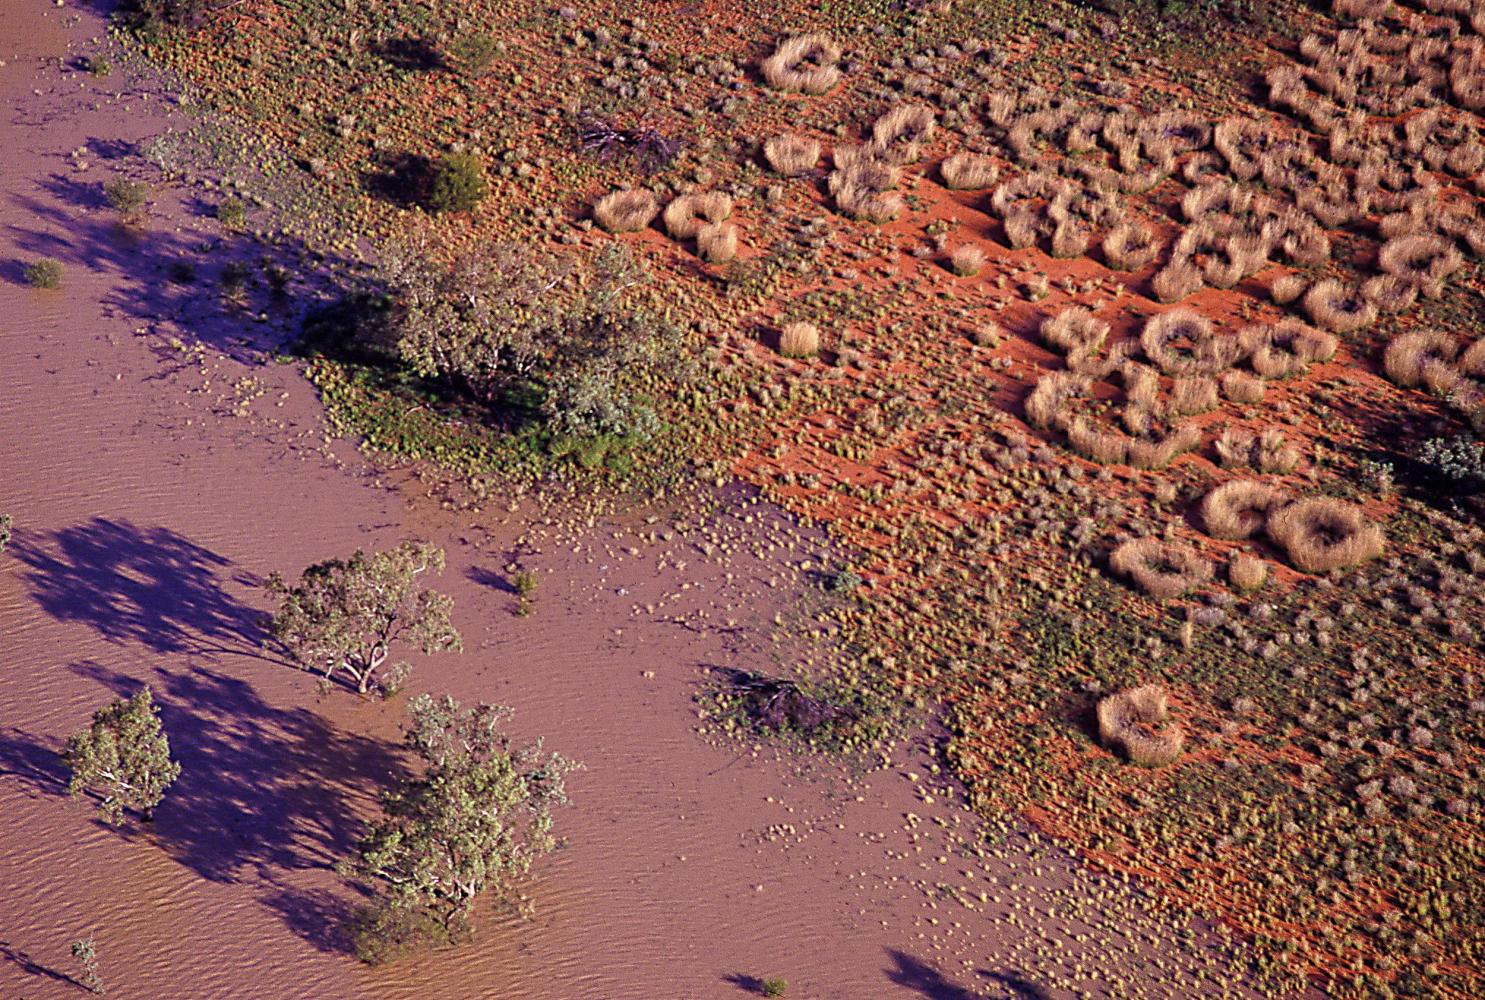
(149, 585)
(31, 967)
(263, 790)
(32, 764)
(923, 978)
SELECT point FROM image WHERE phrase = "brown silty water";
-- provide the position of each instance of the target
(158, 468)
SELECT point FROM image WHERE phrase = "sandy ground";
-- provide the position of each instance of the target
(153, 486)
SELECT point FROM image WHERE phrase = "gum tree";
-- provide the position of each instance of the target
(123, 758)
(343, 616)
(472, 822)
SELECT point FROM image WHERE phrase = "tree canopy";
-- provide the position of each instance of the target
(123, 758)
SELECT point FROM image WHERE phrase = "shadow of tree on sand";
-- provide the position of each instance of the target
(35, 766)
(135, 584)
(923, 978)
(263, 790)
(31, 967)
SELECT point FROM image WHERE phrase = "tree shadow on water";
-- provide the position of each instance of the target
(263, 790)
(147, 585)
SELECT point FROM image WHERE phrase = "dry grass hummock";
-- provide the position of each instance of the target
(1240, 387)
(626, 211)
(1422, 260)
(791, 155)
(1159, 568)
(799, 340)
(1074, 329)
(1134, 721)
(1130, 246)
(1334, 307)
(1182, 342)
(1410, 356)
(898, 136)
(1285, 348)
(969, 172)
(1389, 293)
(1176, 280)
(1098, 445)
(806, 64)
(1240, 508)
(1272, 453)
(1192, 394)
(1247, 572)
(867, 205)
(716, 242)
(1157, 453)
(967, 260)
(1047, 405)
(1321, 534)
(685, 215)
(1288, 288)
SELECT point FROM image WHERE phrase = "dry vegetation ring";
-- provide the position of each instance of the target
(1135, 721)
(804, 64)
(1159, 568)
(1321, 534)
(1240, 508)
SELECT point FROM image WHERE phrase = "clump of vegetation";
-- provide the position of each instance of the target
(969, 172)
(626, 211)
(344, 616)
(791, 155)
(127, 197)
(1240, 508)
(1321, 534)
(1134, 721)
(85, 953)
(804, 64)
(1460, 460)
(799, 340)
(967, 260)
(716, 243)
(686, 215)
(458, 184)
(1160, 569)
(44, 273)
(470, 824)
(525, 582)
(475, 54)
(231, 212)
(1247, 572)
(97, 65)
(123, 758)
(5, 529)
(774, 987)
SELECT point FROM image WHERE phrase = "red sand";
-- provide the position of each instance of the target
(149, 497)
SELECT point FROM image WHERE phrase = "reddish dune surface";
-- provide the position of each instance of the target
(153, 488)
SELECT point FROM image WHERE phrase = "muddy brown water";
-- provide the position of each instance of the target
(157, 469)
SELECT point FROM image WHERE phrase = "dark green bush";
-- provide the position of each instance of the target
(127, 196)
(475, 54)
(231, 212)
(458, 184)
(44, 273)
(1461, 460)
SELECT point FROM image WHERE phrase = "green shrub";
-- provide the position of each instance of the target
(775, 987)
(458, 184)
(231, 212)
(1461, 460)
(98, 65)
(44, 273)
(475, 54)
(127, 196)
(5, 523)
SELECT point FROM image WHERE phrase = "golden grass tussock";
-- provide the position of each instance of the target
(898, 136)
(1192, 394)
(1089, 361)
(1157, 453)
(966, 260)
(626, 211)
(1183, 342)
(1241, 387)
(1047, 404)
(1070, 239)
(969, 172)
(1288, 288)
(1159, 568)
(1334, 307)
(1389, 293)
(1285, 348)
(1130, 246)
(799, 340)
(878, 207)
(1239, 508)
(1273, 453)
(1023, 225)
(1247, 573)
(1322, 534)
(716, 242)
(1422, 260)
(1103, 446)
(807, 64)
(1409, 356)
(1234, 447)
(1135, 721)
(1179, 278)
(791, 155)
(1074, 329)
(686, 214)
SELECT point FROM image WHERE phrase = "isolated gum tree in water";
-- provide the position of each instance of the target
(123, 758)
(474, 820)
(344, 615)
